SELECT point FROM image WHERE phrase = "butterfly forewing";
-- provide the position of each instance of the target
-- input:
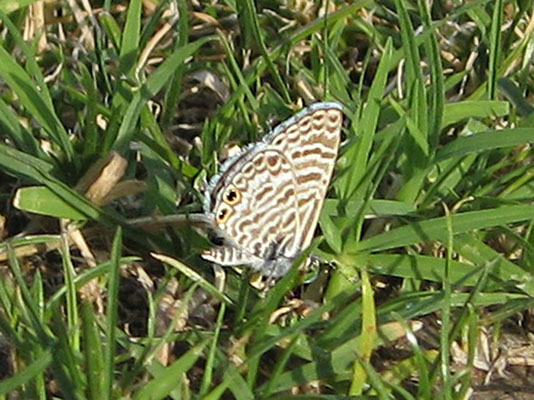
(266, 202)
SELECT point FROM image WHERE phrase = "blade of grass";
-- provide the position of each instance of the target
(130, 39)
(279, 367)
(90, 137)
(21, 136)
(156, 81)
(35, 101)
(29, 304)
(38, 366)
(433, 229)
(112, 314)
(436, 91)
(94, 358)
(359, 153)
(172, 96)
(415, 169)
(445, 339)
(165, 382)
(211, 359)
(366, 343)
(73, 324)
(456, 112)
(65, 364)
(194, 276)
(485, 141)
(252, 20)
(494, 48)
(41, 200)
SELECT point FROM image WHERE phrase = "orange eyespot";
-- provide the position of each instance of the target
(232, 196)
(223, 214)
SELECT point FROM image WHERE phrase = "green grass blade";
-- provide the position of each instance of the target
(157, 80)
(130, 38)
(494, 48)
(165, 382)
(37, 367)
(359, 153)
(73, 326)
(454, 113)
(41, 200)
(94, 358)
(436, 89)
(251, 17)
(436, 228)
(485, 141)
(112, 315)
(21, 136)
(418, 267)
(35, 102)
(445, 334)
(194, 276)
(367, 340)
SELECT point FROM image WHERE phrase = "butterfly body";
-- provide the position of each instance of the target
(266, 201)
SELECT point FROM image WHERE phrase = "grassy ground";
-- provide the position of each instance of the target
(113, 119)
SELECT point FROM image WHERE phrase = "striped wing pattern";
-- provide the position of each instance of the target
(266, 201)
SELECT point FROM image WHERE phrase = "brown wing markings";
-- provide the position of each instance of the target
(318, 150)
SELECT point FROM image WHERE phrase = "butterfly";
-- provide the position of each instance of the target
(266, 201)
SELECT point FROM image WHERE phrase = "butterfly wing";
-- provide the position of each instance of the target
(310, 141)
(266, 201)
